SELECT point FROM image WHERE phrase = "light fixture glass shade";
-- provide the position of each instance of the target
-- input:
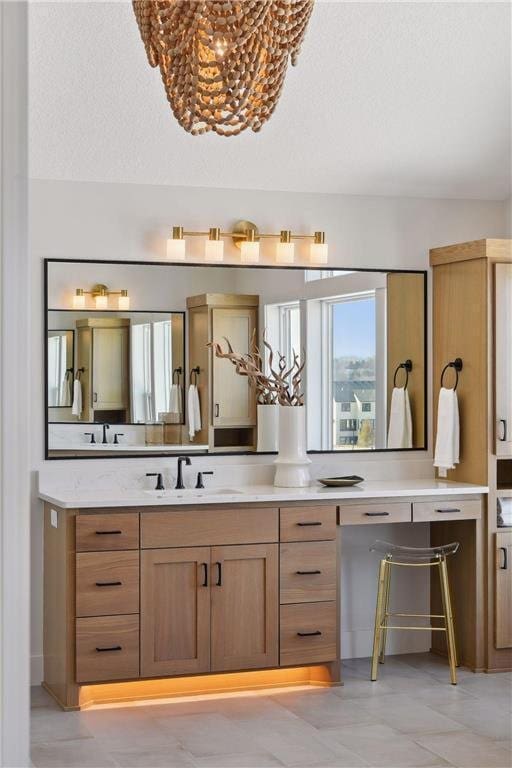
(176, 245)
(285, 249)
(214, 246)
(250, 252)
(124, 300)
(319, 253)
(101, 301)
(79, 299)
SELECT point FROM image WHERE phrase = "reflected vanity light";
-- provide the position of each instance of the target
(79, 299)
(250, 248)
(285, 249)
(246, 236)
(176, 245)
(100, 294)
(214, 246)
(319, 250)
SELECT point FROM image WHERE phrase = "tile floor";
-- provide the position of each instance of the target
(411, 717)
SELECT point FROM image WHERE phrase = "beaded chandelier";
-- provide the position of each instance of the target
(223, 62)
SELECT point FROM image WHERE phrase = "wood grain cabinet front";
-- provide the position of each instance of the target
(107, 648)
(439, 511)
(106, 532)
(376, 512)
(308, 633)
(107, 583)
(308, 571)
(307, 523)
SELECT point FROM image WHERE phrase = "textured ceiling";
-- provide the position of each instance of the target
(387, 98)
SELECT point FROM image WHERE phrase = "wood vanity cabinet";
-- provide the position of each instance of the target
(503, 563)
(503, 358)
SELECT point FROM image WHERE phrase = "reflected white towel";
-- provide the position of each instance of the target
(175, 405)
(194, 411)
(446, 454)
(76, 410)
(65, 391)
(400, 421)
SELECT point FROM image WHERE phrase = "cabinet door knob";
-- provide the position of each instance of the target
(505, 559)
(95, 397)
(503, 424)
(205, 574)
(217, 410)
(218, 583)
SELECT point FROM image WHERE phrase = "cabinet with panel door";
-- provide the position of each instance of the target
(228, 402)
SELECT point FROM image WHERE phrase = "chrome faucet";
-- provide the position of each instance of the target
(179, 480)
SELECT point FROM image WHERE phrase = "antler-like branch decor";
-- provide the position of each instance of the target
(283, 386)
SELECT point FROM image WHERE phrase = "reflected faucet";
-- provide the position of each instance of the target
(179, 480)
(105, 427)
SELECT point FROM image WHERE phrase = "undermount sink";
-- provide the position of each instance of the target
(192, 492)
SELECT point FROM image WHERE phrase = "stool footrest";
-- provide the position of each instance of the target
(420, 615)
(421, 629)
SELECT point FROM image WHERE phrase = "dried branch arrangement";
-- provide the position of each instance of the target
(282, 387)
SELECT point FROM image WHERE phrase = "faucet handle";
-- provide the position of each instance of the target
(93, 438)
(199, 483)
(159, 480)
(116, 435)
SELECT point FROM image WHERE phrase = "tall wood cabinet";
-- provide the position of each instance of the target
(228, 402)
(472, 319)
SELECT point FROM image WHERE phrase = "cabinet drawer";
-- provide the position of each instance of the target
(456, 509)
(107, 583)
(308, 523)
(208, 527)
(107, 648)
(308, 571)
(308, 633)
(364, 514)
(105, 532)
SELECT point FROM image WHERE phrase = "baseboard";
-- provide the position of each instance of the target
(36, 670)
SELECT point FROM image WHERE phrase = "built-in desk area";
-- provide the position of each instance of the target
(166, 591)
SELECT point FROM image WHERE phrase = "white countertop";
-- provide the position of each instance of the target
(138, 448)
(137, 497)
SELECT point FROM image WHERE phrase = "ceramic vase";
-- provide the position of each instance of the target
(292, 463)
(268, 428)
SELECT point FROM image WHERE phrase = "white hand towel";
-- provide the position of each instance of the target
(194, 411)
(400, 421)
(175, 405)
(76, 410)
(446, 454)
(65, 391)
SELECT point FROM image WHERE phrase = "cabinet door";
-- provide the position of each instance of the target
(245, 607)
(234, 401)
(503, 602)
(503, 358)
(110, 368)
(175, 611)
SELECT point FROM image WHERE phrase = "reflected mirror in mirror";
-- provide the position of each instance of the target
(153, 378)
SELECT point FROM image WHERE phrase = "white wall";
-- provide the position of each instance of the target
(117, 221)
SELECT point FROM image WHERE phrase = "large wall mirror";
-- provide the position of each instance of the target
(129, 368)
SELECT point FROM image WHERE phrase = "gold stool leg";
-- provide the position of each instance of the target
(448, 617)
(378, 618)
(384, 632)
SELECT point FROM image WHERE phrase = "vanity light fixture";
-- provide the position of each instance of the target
(214, 246)
(79, 299)
(100, 294)
(319, 250)
(246, 236)
(176, 245)
(285, 250)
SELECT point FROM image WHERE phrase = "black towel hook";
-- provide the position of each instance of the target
(177, 372)
(195, 371)
(457, 367)
(407, 366)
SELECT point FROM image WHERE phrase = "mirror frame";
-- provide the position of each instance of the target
(303, 267)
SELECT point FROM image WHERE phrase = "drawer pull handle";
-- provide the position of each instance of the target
(218, 583)
(505, 559)
(112, 648)
(316, 633)
(205, 574)
(109, 583)
(307, 573)
(448, 510)
(306, 524)
(107, 533)
(376, 514)
(503, 424)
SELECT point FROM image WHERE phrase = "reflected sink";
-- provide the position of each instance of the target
(194, 493)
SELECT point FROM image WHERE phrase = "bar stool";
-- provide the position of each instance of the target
(412, 557)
